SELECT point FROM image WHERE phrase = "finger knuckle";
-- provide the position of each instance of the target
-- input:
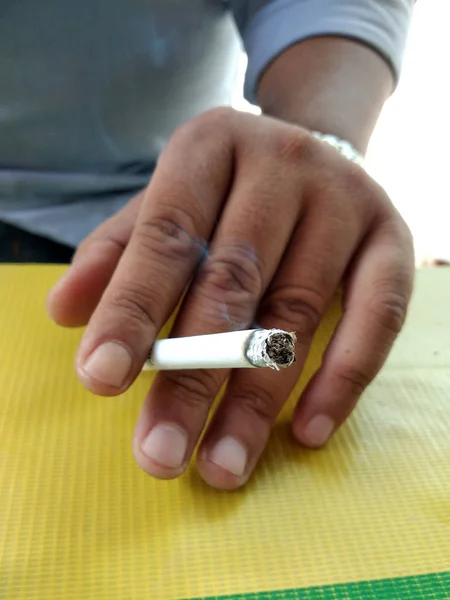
(218, 117)
(212, 122)
(256, 402)
(405, 229)
(135, 303)
(234, 268)
(232, 276)
(166, 237)
(353, 377)
(407, 235)
(389, 309)
(296, 307)
(367, 195)
(358, 182)
(401, 229)
(195, 389)
(83, 248)
(369, 200)
(295, 146)
(95, 246)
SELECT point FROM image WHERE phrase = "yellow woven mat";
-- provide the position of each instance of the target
(78, 519)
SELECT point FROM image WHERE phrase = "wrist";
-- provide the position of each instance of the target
(327, 84)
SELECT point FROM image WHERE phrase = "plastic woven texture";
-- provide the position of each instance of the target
(366, 518)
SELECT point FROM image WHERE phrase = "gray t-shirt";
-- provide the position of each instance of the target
(90, 90)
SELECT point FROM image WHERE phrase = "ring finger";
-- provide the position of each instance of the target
(305, 283)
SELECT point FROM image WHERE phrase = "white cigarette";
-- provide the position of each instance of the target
(253, 348)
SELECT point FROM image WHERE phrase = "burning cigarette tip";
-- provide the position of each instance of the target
(281, 348)
(272, 348)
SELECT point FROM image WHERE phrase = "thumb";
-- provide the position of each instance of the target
(74, 297)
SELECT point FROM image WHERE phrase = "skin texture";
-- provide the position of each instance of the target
(342, 88)
(264, 222)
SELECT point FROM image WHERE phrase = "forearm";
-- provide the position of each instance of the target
(330, 84)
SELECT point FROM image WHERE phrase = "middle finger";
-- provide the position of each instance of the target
(224, 296)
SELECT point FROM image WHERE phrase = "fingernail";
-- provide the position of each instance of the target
(318, 430)
(230, 455)
(166, 444)
(110, 363)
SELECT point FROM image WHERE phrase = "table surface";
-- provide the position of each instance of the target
(366, 518)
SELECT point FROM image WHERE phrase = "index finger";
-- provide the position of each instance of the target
(178, 213)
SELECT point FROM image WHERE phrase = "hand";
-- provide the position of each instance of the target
(264, 222)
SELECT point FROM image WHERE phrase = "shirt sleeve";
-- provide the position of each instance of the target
(268, 27)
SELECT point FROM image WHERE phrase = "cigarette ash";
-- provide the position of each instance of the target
(273, 348)
(280, 348)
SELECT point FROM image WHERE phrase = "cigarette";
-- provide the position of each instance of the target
(253, 348)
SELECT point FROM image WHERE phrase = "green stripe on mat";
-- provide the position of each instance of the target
(421, 587)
